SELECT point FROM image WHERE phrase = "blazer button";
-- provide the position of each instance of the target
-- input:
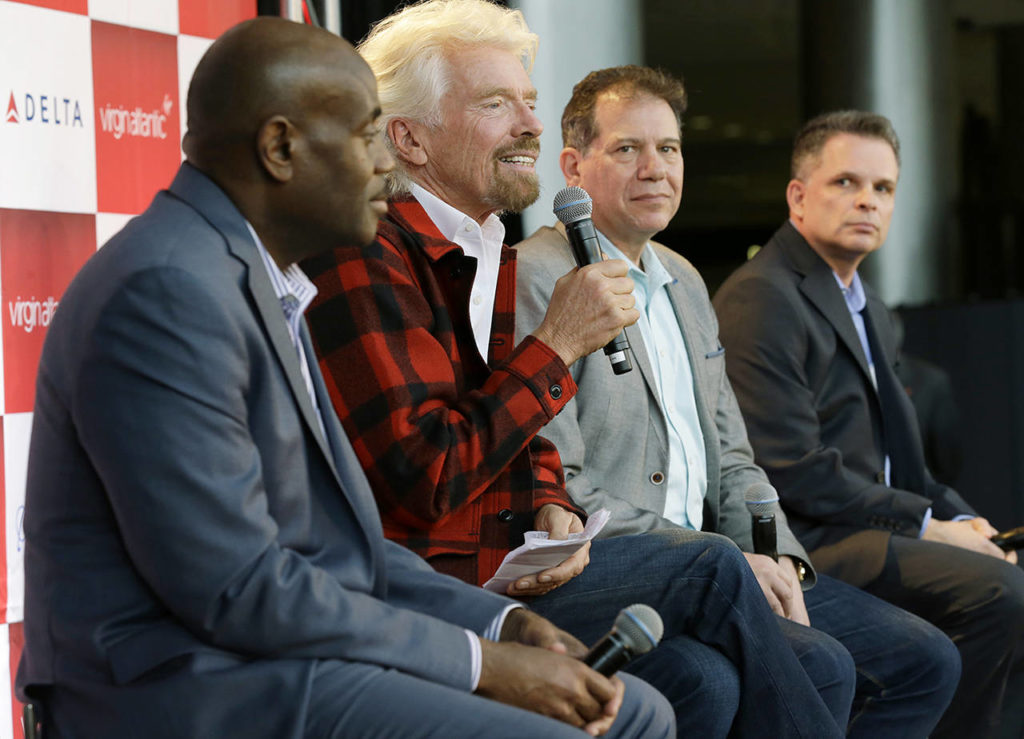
(555, 391)
(505, 515)
(880, 478)
(657, 478)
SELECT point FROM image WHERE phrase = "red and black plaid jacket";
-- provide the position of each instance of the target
(447, 440)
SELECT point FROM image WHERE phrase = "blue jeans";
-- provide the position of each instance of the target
(719, 630)
(907, 669)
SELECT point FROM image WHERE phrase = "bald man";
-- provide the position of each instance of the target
(204, 557)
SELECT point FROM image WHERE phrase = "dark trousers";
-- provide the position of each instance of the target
(907, 669)
(719, 630)
(978, 601)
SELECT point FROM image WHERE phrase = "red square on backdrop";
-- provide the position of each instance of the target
(16, 636)
(210, 20)
(69, 6)
(135, 94)
(39, 254)
(3, 534)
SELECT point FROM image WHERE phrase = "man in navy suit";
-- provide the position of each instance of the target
(204, 557)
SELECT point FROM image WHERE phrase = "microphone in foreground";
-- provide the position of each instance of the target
(761, 499)
(637, 630)
(573, 207)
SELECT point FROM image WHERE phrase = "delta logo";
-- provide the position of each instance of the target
(136, 122)
(44, 109)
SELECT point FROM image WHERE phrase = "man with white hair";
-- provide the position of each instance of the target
(445, 414)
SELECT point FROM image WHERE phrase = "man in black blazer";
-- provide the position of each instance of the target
(204, 556)
(810, 352)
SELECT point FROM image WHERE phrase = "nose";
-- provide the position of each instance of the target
(867, 198)
(650, 165)
(527, 123)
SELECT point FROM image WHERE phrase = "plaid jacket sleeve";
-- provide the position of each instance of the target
(432, 424)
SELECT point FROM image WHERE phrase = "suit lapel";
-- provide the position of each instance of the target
(820, 288)
(684, 311)
(202, 194)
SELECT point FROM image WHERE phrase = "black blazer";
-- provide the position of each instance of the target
(813, 414)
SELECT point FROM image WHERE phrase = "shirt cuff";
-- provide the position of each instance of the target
(924, 522)
(492, 633)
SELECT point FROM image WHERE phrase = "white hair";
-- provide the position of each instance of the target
(407, 53)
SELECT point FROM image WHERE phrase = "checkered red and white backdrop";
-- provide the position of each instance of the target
(92, 98)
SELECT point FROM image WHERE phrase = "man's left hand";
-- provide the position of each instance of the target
(983, 527)
(780, 585)
(559, 523)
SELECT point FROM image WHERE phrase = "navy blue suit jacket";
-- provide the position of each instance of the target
(194, 542)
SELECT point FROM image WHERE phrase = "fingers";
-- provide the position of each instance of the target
(557, 521)
(588, 307)
(983, 527)
(776, 589)
(1011, 557)
(544, 682)
(528, 586)
(566, 570)
(611, 710)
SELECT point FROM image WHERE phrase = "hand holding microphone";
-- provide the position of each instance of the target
(779, 581)
(540, 668)
(637, 630)
(761, 500)
(573, 208)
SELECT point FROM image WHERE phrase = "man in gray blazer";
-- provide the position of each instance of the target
(664, 446)
(811, 353)
(204, 557)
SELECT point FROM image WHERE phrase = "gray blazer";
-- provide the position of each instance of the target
(612, 436)
(194, 542)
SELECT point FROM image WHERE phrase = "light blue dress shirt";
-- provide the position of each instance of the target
(687, 478)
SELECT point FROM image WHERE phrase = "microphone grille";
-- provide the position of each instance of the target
(761, 499)
(572, 204)
(640, 627)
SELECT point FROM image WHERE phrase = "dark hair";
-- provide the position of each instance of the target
(812, 138)
(579, 128)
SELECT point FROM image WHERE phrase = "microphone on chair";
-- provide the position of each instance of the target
(761, 500)
(573, 207)
(637, 630)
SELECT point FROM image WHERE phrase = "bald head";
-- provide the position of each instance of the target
(258, 69)
(283, 117)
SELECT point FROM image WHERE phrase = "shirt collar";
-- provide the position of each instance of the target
(653, 272)
(854, 294)
(291, 286)
(450, 220)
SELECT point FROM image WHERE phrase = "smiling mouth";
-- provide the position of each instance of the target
(519, 160)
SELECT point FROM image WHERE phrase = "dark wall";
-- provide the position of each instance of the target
(981, 346)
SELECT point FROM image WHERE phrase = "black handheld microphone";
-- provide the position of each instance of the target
(637, 630)
(573, 207)
(1011, 540)
(761, 499)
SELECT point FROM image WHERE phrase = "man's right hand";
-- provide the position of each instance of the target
(966, 534)
(551, 684)
(589, 307)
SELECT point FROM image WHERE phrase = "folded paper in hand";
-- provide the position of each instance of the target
(539, 552)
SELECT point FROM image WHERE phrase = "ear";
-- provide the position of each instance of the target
(569, 161)
(406, 140)
(274, 144)
(795, 192)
